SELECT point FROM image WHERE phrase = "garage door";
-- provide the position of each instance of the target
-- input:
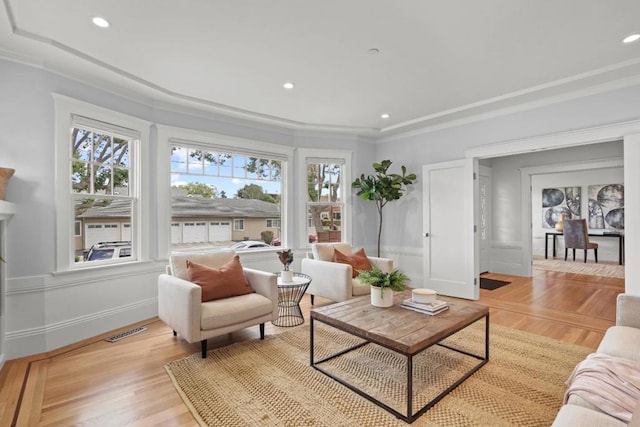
(194, 232)
(219, 231)
(176, 232)
(95, 233)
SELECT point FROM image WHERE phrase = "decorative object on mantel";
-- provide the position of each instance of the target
(286, 258)
(383, 188)
(5, 176)
(380, 281)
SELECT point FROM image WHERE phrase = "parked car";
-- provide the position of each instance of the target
(109, 250)
(249, 244)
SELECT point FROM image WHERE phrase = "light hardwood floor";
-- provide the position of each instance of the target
(95, 382)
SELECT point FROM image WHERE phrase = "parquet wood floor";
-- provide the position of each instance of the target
(94, 382)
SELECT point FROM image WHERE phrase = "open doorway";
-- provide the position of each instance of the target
(518, 234)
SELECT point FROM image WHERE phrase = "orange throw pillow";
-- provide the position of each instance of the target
(217, 283)
(358, 261)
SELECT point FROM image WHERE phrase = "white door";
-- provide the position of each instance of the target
(176, 232)
(484, 218)
(219, 231)
(194, 232)
(450, 246)
(95, 233)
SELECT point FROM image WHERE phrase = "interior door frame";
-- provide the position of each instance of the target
(629, 133)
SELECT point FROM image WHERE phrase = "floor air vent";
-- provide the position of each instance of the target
(126, 334)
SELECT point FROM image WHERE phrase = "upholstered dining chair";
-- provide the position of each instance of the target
(208, 294)
(576, 236)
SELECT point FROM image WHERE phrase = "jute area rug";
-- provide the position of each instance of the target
(270, 382)
(579, 267)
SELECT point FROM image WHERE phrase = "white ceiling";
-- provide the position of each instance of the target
(438, 60)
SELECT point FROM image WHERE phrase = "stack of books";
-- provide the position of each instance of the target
(430, 308)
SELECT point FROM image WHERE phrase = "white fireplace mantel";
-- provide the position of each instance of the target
(7, 210)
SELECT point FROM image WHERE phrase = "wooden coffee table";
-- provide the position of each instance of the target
(413, 333)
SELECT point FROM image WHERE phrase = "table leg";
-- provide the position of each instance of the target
(311, 342)
(546, 245)
(554, 245)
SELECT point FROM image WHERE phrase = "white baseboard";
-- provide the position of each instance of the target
(56, 335)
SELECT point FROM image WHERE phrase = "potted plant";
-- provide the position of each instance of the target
(380, 281)
(286, 258)
(383, 188)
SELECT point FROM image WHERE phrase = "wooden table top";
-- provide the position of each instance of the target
(405, 331)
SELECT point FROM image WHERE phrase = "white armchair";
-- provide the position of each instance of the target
(180, 302)
(333, 280)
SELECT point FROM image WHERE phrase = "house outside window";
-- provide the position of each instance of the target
(238, 224)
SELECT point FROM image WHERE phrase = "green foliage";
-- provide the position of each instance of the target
(256, 192)
(376, 277)
(383, 187)
(200, 189)
(267, 236)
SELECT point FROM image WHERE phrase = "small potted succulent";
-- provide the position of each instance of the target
(379, 281)
(286, 258)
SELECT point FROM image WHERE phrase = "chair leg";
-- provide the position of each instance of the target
(312, 299)
(203, 343)
(175, 334)
(595, 252)
(566, 251)
(574, 254)
(585, 256)
(261, 331)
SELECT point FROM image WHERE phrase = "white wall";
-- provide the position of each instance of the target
(403, 240)
(608, 247)
(45, 310)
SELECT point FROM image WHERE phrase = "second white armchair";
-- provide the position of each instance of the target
(334, 280)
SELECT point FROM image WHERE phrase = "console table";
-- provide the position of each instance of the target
(555, 234)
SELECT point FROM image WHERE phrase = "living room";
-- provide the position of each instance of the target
(46, 305)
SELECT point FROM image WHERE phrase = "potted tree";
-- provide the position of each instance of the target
(379, 281)
(383, 187)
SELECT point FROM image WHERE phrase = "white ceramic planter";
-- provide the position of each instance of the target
(385, 301)
(287, 276)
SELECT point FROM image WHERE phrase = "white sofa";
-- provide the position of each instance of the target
(180, 302)
(333, 280)
(621, 340)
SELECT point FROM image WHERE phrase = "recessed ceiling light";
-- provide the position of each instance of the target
(99, 21)
(384, 116)
(288, 85)
(631, 38)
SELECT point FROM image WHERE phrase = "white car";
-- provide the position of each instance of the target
(249, 244)
(109, 250)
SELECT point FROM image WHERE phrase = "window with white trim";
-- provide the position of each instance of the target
(98, 182)
(212, 183)
(324, 203)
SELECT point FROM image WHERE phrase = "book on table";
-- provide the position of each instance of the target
(433, 307)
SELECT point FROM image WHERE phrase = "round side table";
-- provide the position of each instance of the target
(289, 296)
